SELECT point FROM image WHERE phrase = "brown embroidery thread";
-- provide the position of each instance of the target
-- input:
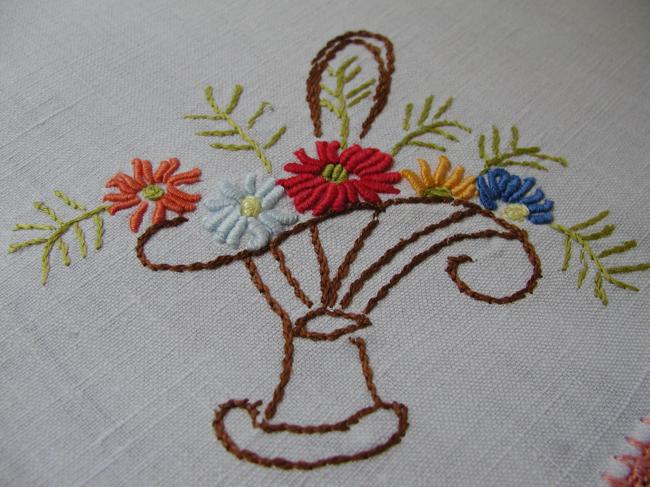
(328, 53)
(350, 257)
(293, 282)
(299, 328)
(385, 259)
(287, 332)
(323, 266)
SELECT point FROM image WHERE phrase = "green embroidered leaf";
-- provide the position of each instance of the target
(58, 231)
(236, 129)
(234, 99)
(328, 104)
(360, 88)
(588, 254)
(443, 108)
(481, 146)
(341, 98)
(605, 232)
(275, 137)
(591, 221)
(618, 249)
(624, 269)
(583, 272)
(216, 133)
(533, 164)
(429, 145)
(435, 126)
(360, 98)
(426, 109)
(258, 113)
(512, 156)
(514, 138)
(446, 135)
(408, 112)
(496, 141)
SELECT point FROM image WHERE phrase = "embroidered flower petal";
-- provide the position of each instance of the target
(308, 198)
(136, 217)
(302, 184)
(540, 218)
(237, 231)
(265, 188)
(511, 189)
(214, 204)
(159, 212)
(123, 205)
(272, 197)
(260, 235)
(526, 185)
(249, 183)
(544, 207)
(163, 167)
(325, 203)
(366, 193)
(334, 181)
(213, 220)
(145, 184)
(228, 223)
(302, 168)
(486, 195)
(124, 183)
(348, 153)
(536, 197)
(247, 210)
(273, 225)
(174, 164)
(147, 172)
(306, 160)
(284, 217)
(188, 177)
(230, 191)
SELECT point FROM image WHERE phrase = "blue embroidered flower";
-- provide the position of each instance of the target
(511, 189)
(248, 210)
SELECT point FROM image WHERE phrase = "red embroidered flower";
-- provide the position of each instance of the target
(159, 187)
(327, 183)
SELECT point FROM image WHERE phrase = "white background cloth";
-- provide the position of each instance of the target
(109, 374)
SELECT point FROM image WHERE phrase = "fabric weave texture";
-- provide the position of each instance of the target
(110, 374)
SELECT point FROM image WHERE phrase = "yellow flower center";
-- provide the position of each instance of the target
(515, 212)
(335, 173)
(251, 206)
(153, 192)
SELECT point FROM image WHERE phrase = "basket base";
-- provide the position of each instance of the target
(382, 441)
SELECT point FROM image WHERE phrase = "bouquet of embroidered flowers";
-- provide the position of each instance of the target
(333, 279)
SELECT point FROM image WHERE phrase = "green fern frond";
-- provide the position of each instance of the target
(573, 235)
(237, 129)
(427, 124)
(59, 229)
(512, 155)
(341, 98)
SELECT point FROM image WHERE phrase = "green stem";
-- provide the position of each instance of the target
(342, 108)
(594, 258)
(425, 129)
(242, 133)
(58, 233)
(496, 161)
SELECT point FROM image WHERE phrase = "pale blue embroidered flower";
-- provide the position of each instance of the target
(249, 211)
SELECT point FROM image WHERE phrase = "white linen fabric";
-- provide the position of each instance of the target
(110, 373)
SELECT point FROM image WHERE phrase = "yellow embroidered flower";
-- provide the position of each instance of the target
(438, 183)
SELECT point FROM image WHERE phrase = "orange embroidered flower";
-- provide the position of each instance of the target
(438, 183)
(146, 186)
